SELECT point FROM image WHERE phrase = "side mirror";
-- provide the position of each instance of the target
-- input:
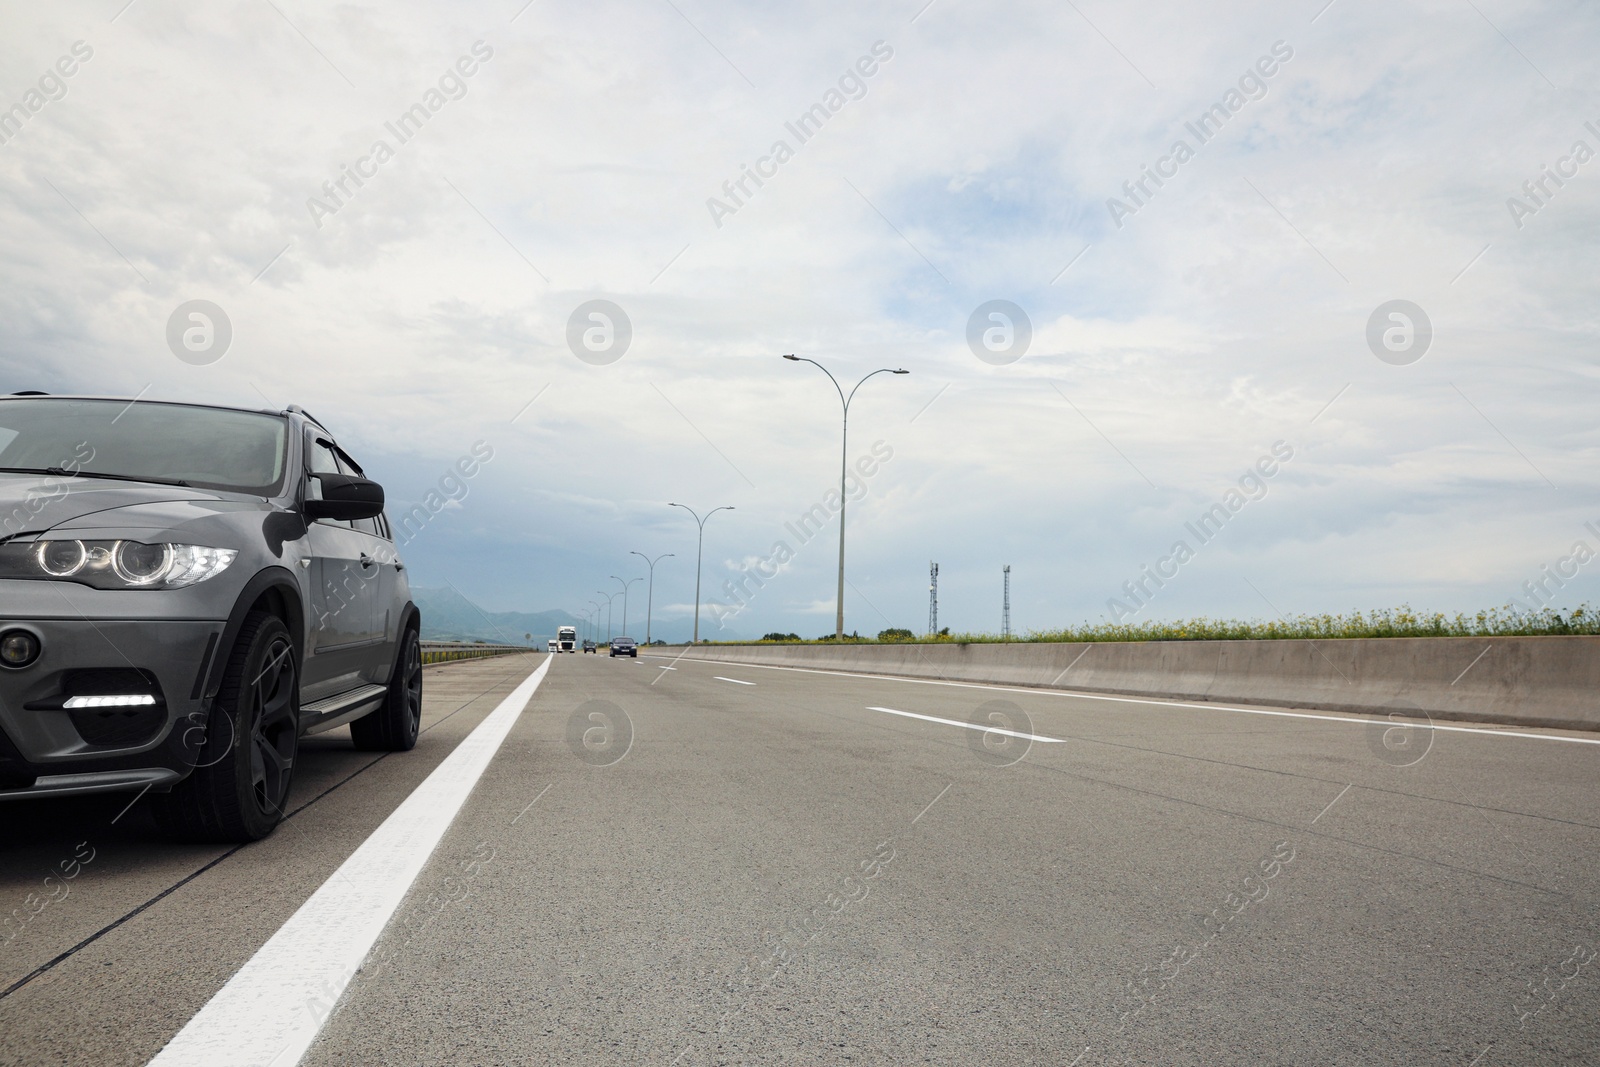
(345, 497)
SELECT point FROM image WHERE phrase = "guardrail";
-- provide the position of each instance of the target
(448, 651)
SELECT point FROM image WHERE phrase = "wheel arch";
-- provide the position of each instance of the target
(410, 619)
(273, 590)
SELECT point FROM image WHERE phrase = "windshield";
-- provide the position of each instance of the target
(211, 448)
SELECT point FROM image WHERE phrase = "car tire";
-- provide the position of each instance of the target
(395, 725)
(244, 769)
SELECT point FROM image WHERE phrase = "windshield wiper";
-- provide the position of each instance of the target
(62, 472)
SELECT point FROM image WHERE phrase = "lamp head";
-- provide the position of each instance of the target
(902, 371)
(792, 356)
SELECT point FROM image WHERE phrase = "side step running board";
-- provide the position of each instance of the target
(330, 712)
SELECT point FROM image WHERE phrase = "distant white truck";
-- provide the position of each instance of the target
(554, 647)
(568, 638)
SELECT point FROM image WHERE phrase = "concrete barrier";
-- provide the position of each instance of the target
(1525, 681)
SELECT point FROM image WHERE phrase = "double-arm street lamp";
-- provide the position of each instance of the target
(844, 460)
(650, 598)
(625, 585)
(698, 554)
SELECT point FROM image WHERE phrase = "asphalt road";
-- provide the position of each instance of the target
(725, 865)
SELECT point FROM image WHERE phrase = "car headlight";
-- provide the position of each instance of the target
(115, 564)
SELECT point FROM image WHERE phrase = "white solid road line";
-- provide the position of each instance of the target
(735, 681)
(1155, 702)
(272, 1009)
(973, 726)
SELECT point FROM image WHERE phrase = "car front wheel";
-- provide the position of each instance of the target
(244, 767)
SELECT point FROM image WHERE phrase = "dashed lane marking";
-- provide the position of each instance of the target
(973, 726)
(1486, 731)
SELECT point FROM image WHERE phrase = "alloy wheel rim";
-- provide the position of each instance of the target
(274, 729)
(414, 683)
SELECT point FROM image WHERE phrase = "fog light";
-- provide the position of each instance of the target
(18, 648)
(123, 700)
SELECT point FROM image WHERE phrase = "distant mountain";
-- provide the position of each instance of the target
(449, 616)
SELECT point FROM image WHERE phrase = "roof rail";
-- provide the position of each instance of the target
(30, 392)
(298, 410)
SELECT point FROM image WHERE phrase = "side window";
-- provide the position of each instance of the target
(321, 459)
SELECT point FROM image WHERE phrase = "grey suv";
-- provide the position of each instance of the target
(185, 591)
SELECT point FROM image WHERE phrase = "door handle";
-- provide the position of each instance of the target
(367, 561)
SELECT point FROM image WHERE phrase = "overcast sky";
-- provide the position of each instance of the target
(1177, 334)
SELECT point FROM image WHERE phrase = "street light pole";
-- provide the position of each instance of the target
(608, 597)
(844, 460)
(625, 585)
(699, 554)
(650, 598)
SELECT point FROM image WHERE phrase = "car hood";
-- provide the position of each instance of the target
(35, 503)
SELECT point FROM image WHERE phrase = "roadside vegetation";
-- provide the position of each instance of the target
(1399, 622)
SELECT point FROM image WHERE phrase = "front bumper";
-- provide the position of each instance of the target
(47, 749)
(66, 785)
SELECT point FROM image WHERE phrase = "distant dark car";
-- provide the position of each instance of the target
(624, 646)
(589, 646)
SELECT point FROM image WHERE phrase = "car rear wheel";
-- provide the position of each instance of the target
(245, 766)
(394, 726)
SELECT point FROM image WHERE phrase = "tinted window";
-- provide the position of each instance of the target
(210, 448)
(321, 459)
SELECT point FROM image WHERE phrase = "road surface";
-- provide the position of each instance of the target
(696, 863)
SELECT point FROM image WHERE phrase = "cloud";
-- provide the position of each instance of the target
(1229, 313)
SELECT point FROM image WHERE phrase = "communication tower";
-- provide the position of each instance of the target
(1005, 614)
